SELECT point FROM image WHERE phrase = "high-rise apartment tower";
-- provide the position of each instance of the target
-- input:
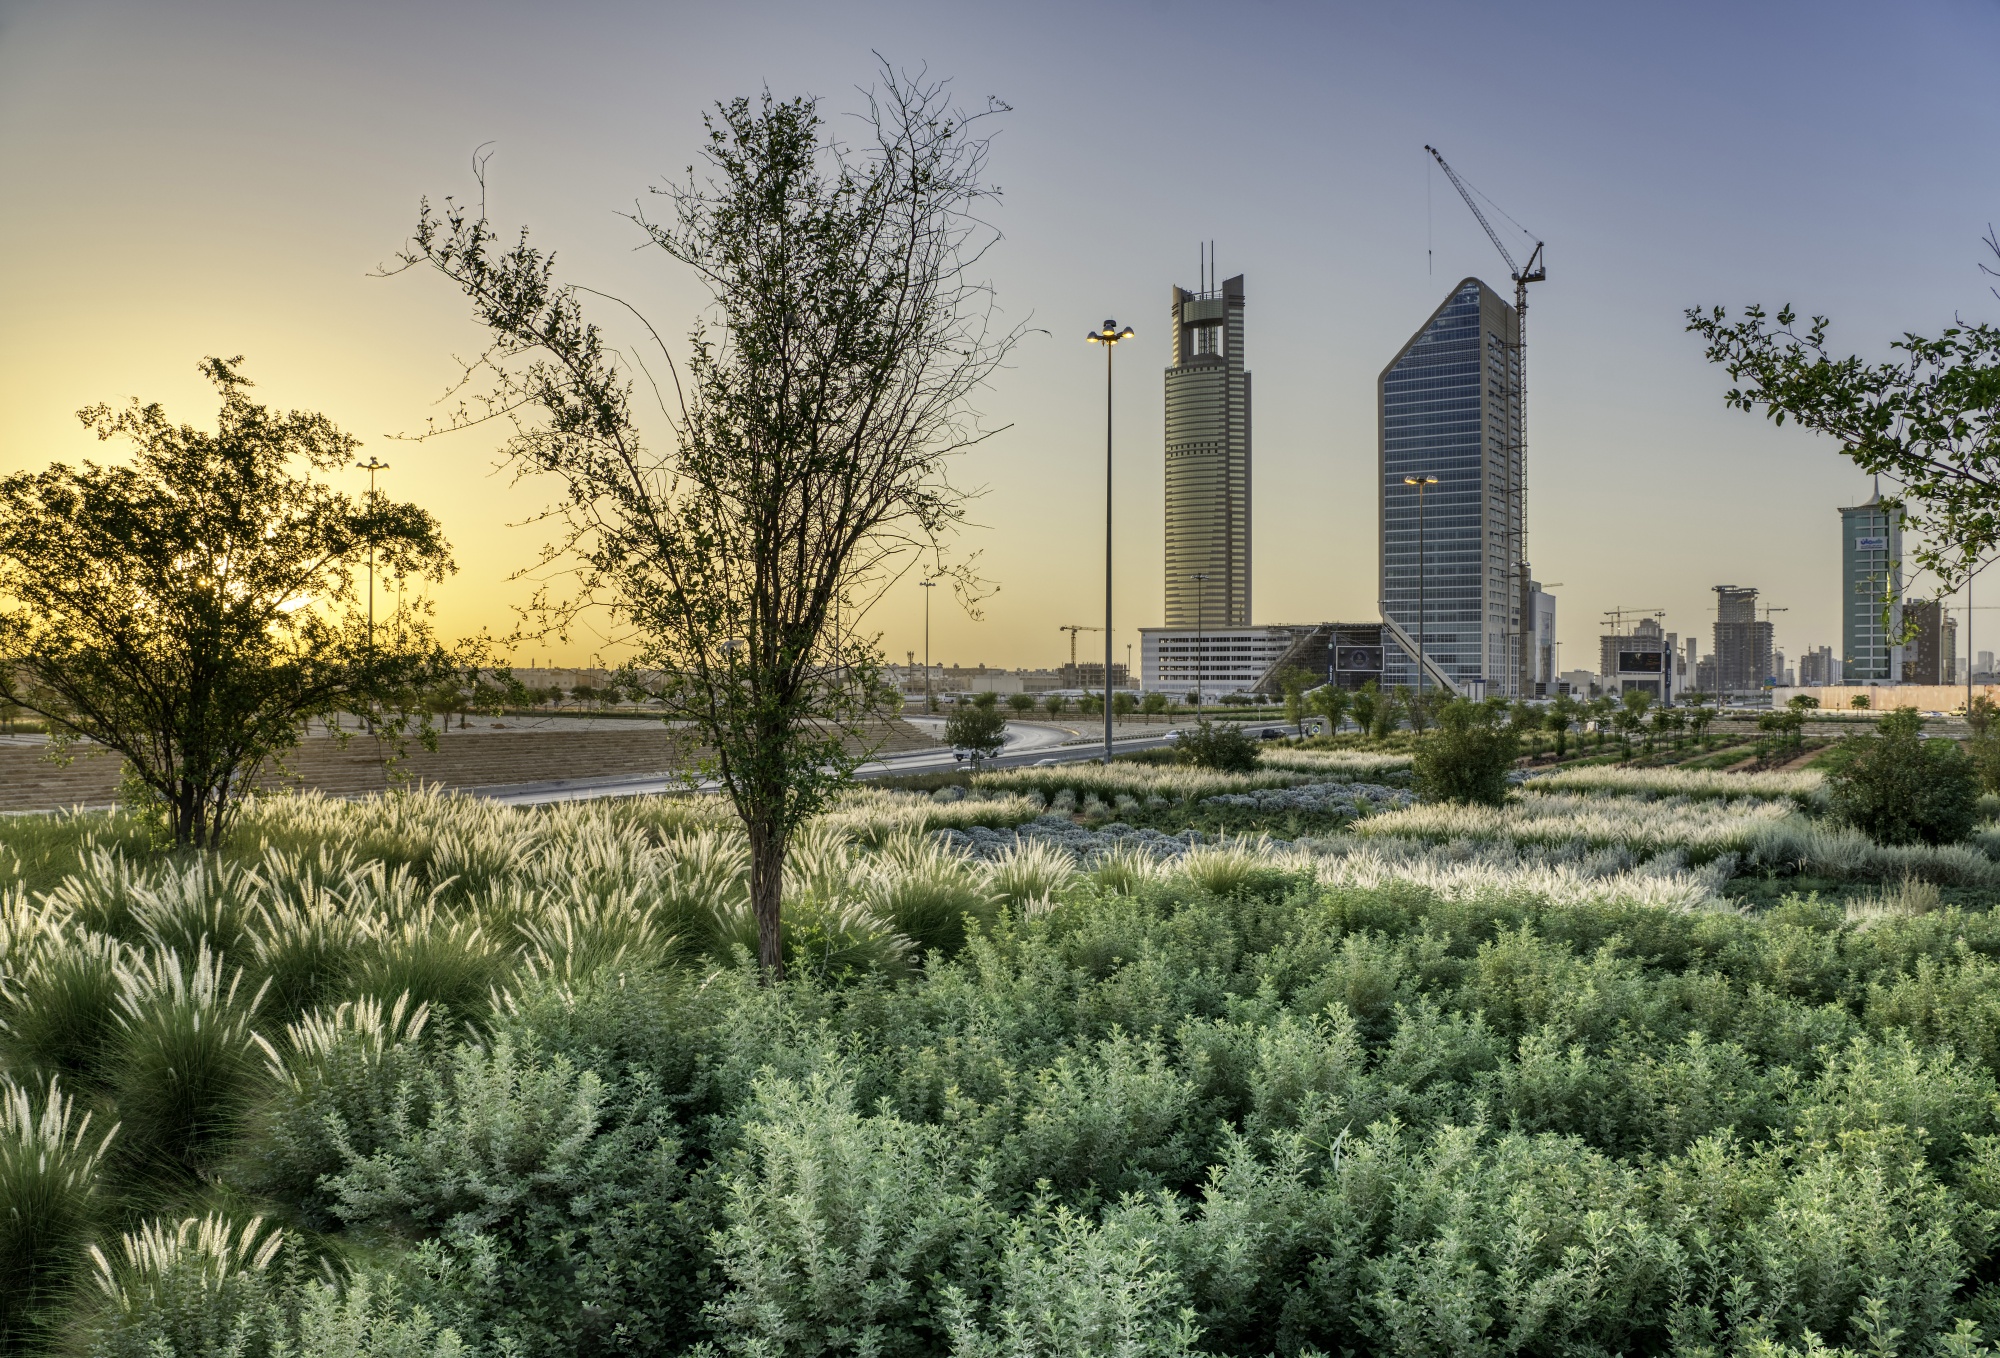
(1871, 592)
(1208, 461)
(1450, 407)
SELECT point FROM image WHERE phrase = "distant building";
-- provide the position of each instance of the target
(1708, 677)
(1223, 660)
(1089, 674)
(1982, 668)
(1642, 660)
(1540, 679)
(1817, 668)
(1742, 643)
(1449, 406)
(1928, 655)
(1582, 683)
(1871, 593)
(1208, 461)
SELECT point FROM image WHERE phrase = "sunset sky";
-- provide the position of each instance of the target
(180, 179)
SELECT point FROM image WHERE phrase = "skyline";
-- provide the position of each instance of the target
(212, 178)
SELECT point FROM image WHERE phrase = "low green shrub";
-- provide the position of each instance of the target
(1217, 745)
(1466, 758)
(1898, 788)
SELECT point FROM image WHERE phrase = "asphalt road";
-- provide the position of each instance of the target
(1028, 744)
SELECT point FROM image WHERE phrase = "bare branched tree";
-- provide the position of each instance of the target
(828, 389)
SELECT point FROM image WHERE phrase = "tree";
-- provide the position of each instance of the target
(194, 610)
(1021, 703)
(1559, 716)
(1898, 788)
(1124, 704)
(828, 389)
(1599, 710)
(1699, 716)
(1366, 699)
(1388, 712)
(1295, 683)
(1467, 757)
(1859, 702)
(1153, 704)
(1217, 745)
(980, 728)
(1927, 420)
(1631, 713)
(1055, 704)
(1331, 702)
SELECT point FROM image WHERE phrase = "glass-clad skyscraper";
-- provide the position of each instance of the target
(1450, 407)
(1871, 605)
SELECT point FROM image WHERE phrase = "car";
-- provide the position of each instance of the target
(1046, 763)
(1272, 733)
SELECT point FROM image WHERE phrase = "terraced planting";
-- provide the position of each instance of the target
(1128, 1060)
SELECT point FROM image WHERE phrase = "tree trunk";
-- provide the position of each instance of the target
(767, 881)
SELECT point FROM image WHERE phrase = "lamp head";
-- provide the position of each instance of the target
(1110, 334)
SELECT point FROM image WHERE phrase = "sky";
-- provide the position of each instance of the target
(183, 179)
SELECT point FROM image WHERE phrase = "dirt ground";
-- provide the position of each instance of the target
(28, 782)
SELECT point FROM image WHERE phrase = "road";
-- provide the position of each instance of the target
(1027, 743)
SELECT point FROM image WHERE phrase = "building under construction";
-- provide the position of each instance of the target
(1742, 642)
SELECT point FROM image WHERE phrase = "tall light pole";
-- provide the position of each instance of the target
(1423, 648)
(927, 586)
(371, 466)
(1108, 337)
(1200, 643)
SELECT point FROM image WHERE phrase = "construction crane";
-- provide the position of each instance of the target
(1073, 628)
(1614, 618)
(1535, 271)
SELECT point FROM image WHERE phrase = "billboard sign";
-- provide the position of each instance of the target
(1640, 662)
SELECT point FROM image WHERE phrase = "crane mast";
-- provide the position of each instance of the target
(1536, 271)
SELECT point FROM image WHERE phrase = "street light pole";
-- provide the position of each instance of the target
(1200, 644)
(927, 586)
(1423, 646)
(1108, 337)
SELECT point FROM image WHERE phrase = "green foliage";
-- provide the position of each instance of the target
(1467, 758)
(1021, 704)
(1366, 700)
(156, 609)
(1153, 704)
(49, 1202)
(1331, 702)
(980, 729)
(1558, 717)
(1898, 788)
(1217, 745)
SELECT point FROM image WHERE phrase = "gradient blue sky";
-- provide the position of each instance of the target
(193, 178)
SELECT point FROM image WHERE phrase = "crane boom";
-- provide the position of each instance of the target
(1536, 271)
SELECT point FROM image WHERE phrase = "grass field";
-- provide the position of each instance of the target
(1586, 1074)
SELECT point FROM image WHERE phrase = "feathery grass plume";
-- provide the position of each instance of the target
(1702, 829)
(1813, 848)
(583, 932)
(1806, 787)
(1124, 868)
(1911, 896)
(185, 1065)
(25, 929)
(336, 1073)
(704, 875)
(59, 1015)
(101, 892)
(184, 904)
(1503, 872)
(48, 1201)
(1359, 764)
(303, 932)
(199, 1285)
(1238, 866)
(873, 816)
(1139, 780)
(47, 847)
(447, 961)
(824, 938)
(926, 891)
(1028, 873)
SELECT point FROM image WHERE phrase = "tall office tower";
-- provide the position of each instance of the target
(1208, 461)
(1450, 407)
(1871, 592)
(1742, 644)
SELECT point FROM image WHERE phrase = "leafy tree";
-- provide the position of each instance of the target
(1056, 704)
(1416, 706)
(1367, 699)
(1984, 747)
(1217, 745)
(1698, 718)
(192, 611)
(1599, 710)
(1389, 712)
(1090, 705)
(1295, 683)
(1331, 702)
(828, 389)
(1898, 788)
(1466, 758)
(1804, 702)
(1021, 703)
(1153, 704)
(978, 727)
(1124, 704)
(1859, 702)
(1927, 419)
(1787, 724)
(1559, 716)
(1631, 712)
